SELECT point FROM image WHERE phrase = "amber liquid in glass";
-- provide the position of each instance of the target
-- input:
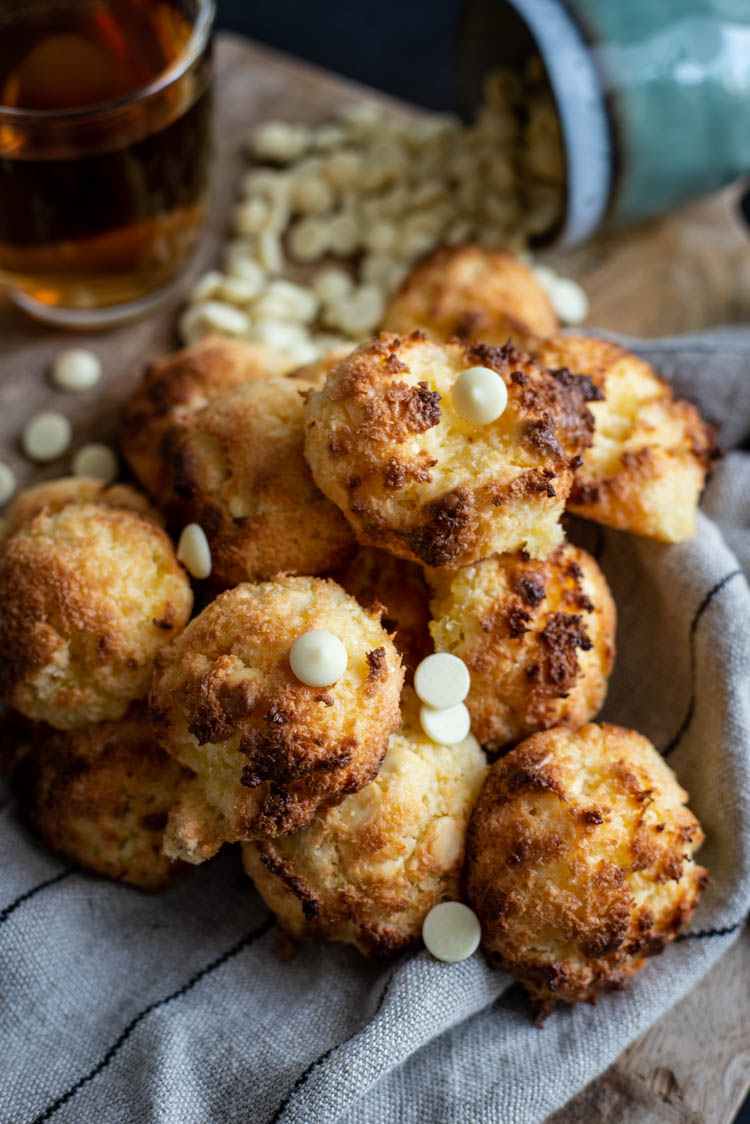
(100, 211)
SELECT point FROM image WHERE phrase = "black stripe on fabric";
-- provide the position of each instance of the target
(684, 725)
(711, 932)
(323, 1058)
(236, 948)
(10, 909)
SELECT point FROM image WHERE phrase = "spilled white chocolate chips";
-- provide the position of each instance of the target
(75, 370)
(451, 931)
(96, 461)
(46, 437)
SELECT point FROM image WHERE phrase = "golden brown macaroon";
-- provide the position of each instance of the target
(651, 452)
(383, 583)
(101, 796)
(537, 636)
(268, 751)
(180, 383)
(411, 476)
(580, 861)
(237, 468)
(89, 594)
(54, 495)
(369, 870)
(472, 294)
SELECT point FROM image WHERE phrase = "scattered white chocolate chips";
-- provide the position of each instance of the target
(448, 726)
(7, 482)
(97, 462)
(46, 437)
(479, 395)
(76, 369)
(194, 552)
(376, 190)
(451, 931)
(442, 680)
(318, 658)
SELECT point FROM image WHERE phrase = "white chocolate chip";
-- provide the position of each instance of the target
(343, 234)
(46, 437)
(76, 369)
(308, 239)
(240, 262)
(479, 395)
(442, 680)
(327, 137)
(279, 141)
(194, 552)
(451, 931)
(269, 251)
(280, 335)
(380, 237)
(207, 286)
(7, 482)
(241, 290)
(252, 216)
(446, 727)
(358, 314)
(283, 300)
(331, 284)
(342, 169)
(96, 461)
(311, 195)
(568, 298)
(318, 658)
(216, 316)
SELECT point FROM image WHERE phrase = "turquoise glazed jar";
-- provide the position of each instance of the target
(653, 95)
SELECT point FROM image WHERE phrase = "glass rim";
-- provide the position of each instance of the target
(187, 56)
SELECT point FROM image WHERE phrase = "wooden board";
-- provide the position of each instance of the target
(669, 276)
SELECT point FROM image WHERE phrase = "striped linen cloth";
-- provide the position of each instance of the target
(121, 1008)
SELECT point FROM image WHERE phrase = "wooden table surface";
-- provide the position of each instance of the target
(669, 276)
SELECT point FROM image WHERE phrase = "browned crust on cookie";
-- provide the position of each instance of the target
(576, 887)
(76, 647)
(364, 443)
(225, 698)
(472, 294)
(101, 797)
(666, 449)
(177, 384)
(538, 637)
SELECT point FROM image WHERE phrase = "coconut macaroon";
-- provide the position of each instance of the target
(538, 637)
(397, 589)
(369, 870)
(54, 495)
(237, 468)
(90, 593)
(473, 294)
(267, 749)
(580, 861)
(178, 384)
(101, 796)
(387, 444)
(651, 452)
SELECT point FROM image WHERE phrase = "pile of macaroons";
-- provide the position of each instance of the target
(362, 513)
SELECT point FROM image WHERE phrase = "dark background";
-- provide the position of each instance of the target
(405, 47)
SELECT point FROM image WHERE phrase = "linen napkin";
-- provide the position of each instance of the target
(120, 1007)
